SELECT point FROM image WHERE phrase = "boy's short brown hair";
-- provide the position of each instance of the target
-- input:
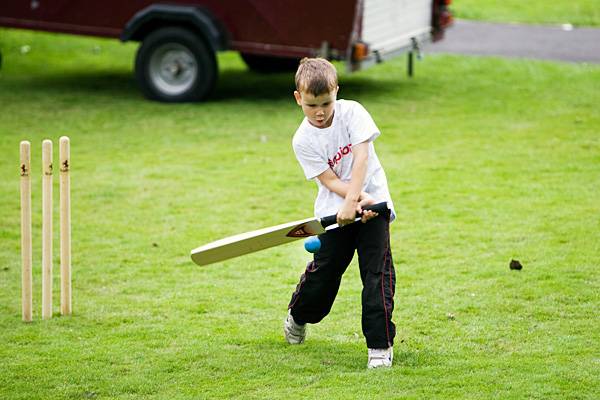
(316, 76)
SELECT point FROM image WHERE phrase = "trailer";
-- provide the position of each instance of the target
(176, 59)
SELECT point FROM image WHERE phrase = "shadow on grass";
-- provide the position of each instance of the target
(79, 83)
(243, 84)
(233, 85)
(343, 356)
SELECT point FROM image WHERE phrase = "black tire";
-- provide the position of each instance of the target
(175, 65)
(270, 64)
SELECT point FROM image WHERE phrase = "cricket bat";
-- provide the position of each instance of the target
(250, 242)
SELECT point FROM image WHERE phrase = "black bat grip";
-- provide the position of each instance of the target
(378, 208)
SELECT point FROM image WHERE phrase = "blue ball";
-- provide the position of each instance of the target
(312, 244)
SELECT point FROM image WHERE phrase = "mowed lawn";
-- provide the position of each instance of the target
(575, 12)
(488, 160)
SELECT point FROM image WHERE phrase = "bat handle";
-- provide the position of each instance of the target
(378, 208)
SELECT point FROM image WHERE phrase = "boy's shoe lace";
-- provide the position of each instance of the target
(294, 333)
(380, 358)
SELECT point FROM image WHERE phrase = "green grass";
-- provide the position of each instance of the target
(578, 12)
(487, 160)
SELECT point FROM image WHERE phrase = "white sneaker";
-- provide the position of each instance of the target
(294, 333)
(380, 358)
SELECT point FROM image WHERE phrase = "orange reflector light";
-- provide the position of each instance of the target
(360, 51)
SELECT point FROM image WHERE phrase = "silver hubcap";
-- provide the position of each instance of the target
(173, 69)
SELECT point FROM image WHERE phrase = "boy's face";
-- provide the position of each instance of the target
(318, 109)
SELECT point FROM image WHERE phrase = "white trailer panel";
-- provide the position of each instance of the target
(390, 27)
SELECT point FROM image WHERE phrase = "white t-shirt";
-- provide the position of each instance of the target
(318, 149)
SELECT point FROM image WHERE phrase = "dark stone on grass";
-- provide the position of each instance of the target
(515, 264)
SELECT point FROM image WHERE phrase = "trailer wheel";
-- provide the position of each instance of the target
(270, 64)
(175, 65)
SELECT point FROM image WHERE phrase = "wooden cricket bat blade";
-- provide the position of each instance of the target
(257, 240)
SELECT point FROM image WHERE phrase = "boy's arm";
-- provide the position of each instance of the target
(352, 191)
(360, 156)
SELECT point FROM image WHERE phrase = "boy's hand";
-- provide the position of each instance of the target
(347, 213)
(366, 200)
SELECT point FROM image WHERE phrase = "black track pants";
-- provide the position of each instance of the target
(320, 283)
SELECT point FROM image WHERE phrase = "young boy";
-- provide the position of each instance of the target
(334, 146)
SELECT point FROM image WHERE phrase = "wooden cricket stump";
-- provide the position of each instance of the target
(46, 229)
(65, 226)
(26, 248)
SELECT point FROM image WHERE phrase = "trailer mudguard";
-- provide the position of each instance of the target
(159, 15)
